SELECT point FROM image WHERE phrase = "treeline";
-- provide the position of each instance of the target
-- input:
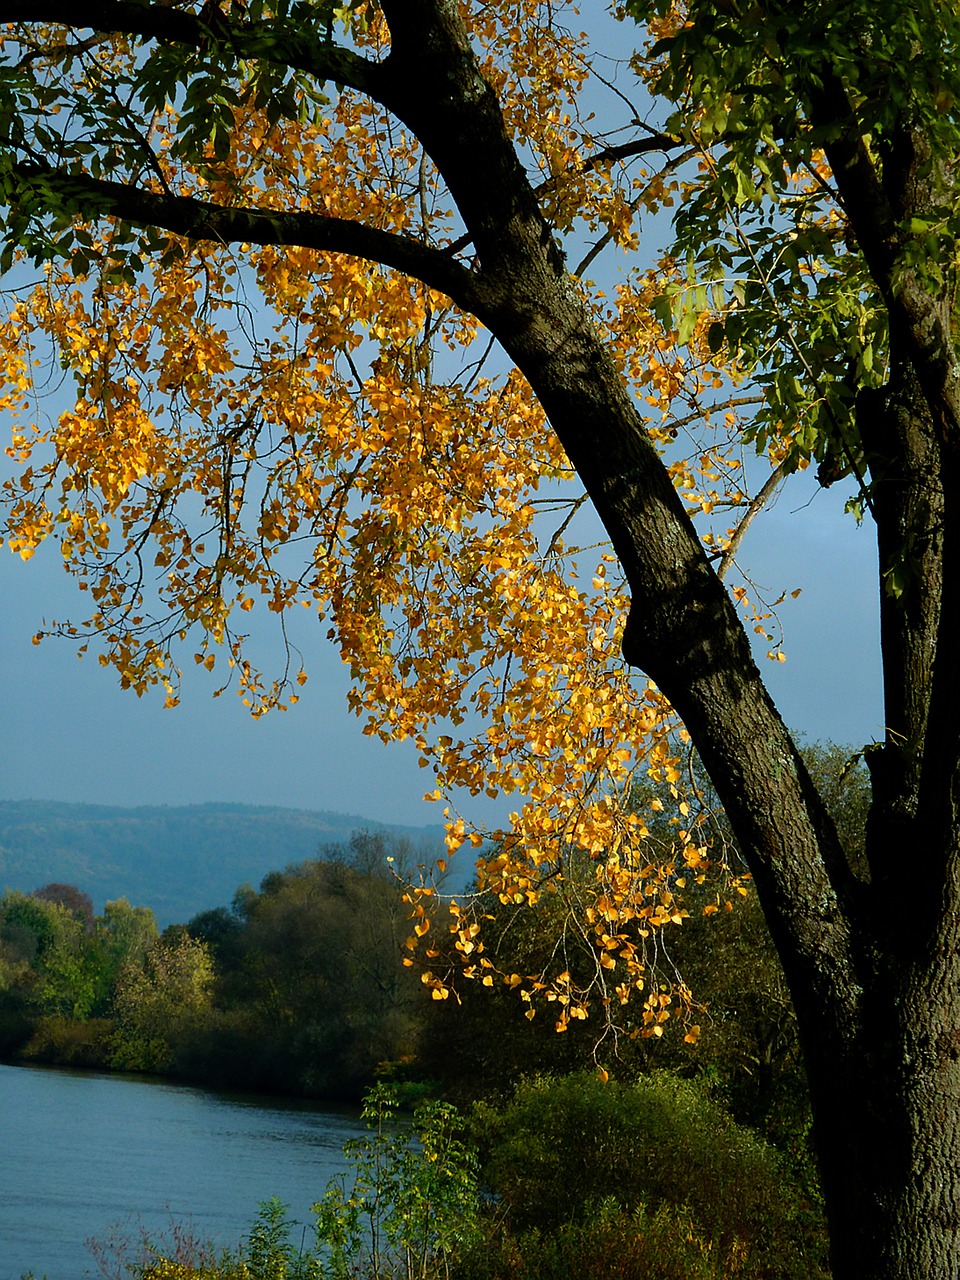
(296, 987)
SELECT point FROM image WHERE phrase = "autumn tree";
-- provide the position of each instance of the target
(161, 999)
(272, 243)
(70, 897)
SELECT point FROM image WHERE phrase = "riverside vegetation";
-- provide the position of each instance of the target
(694, 1162)
(298, 981)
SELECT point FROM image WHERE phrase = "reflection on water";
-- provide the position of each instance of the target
(80, 1153)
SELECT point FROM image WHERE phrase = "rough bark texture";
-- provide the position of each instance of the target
(874, 968)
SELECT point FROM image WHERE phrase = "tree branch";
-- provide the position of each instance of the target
(753, 510)
(289, 45)
(202, 220)
(627, 150)
(879, 229)
(434, 84)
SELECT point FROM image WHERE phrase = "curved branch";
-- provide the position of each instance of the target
(202, 220)
(290, 45)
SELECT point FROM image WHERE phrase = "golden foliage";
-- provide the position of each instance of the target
(258, 428)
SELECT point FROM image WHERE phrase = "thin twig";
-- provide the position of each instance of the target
(757, 504)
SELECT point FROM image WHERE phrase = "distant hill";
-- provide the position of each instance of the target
(177, 861)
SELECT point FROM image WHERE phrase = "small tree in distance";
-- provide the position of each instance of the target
(395, 179)
(70, 898)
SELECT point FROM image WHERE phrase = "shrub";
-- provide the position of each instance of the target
(564, 1148)
(610, 1245)
(62, 1040)
(407, 1209)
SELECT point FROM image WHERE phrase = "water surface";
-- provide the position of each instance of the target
(83, 1153)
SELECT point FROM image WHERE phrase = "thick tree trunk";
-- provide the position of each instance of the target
(888, 1134)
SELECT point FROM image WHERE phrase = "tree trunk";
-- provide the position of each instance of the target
(888, 1133)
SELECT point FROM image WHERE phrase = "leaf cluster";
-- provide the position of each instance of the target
(764, 92)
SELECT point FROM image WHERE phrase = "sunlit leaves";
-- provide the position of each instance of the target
(768, 245)
(254, 429)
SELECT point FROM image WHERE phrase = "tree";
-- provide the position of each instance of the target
(162, 999)
(126, 932)
(310, 980)
(56, 943)
(392, 176)
(29, 927)
(71, 898)
(66, 961)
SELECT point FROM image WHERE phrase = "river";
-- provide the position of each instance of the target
(98, 1156)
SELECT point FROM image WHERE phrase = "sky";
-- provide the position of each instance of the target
(67, 732)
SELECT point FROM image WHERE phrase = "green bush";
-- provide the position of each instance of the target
(408, 1208)
(564, 1149)
(611, 1245)
(59, 1039)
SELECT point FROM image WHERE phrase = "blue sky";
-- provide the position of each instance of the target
(69, 733)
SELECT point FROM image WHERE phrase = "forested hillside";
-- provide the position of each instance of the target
(174, 860)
